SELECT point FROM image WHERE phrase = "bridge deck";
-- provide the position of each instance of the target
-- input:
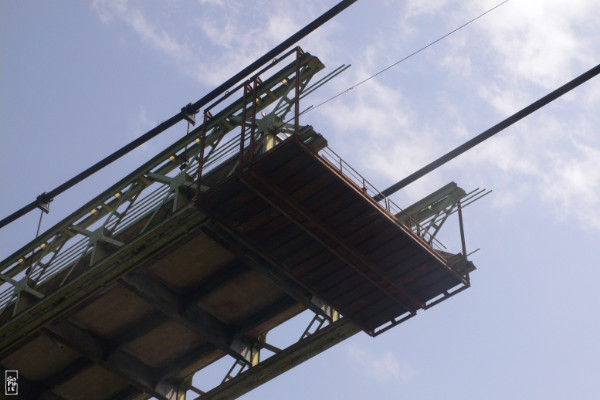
(289, 233)
(135, 291)
(329, 236)
(190, 305)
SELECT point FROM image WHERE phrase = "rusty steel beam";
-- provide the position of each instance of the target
(462, 230)
(363, 267)
(260, 262)
(158, 295)
(138, 329)
(239, 330)
(214, 283)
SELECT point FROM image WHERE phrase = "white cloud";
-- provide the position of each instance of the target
(573, 184)
(517, 54)
(383, 368)
(415, 8)
(537, 47)
(238, 46)
(223, 42)
(158, 38)
(141, 123)
(219, 3)
(132, 15)
(539, 42)
(107, 10)
(496, 66)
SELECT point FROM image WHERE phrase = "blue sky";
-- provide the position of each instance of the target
(81, 79)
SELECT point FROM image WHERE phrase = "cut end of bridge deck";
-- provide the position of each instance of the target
(136, 291)
(327, 234)
(289, 232)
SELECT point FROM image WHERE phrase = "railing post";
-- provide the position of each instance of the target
(201, 156)
(253, 127)
(243, 133)
(297, 99)
(462, 231)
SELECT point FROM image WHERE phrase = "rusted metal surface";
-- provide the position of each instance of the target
(119, 327)
(331, 237)
(274, 229)
(288, 234)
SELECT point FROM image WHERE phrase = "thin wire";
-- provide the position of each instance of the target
(499, 127)
(195, 107)
(311, 108)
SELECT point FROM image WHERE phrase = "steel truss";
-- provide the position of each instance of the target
(319, 335)
(149, 213)
(80, 242)
(137, 219)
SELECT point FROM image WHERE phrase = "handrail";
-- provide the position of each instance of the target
(141, 193)
(388, 205)
(187, 112)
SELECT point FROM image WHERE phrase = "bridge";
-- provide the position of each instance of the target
(243, 224)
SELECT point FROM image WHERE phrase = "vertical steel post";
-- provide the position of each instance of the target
(183, 387)
(243, 134)
(253, 127)
(201, 157)
(335, 315)
(462, 231)
(297, 99)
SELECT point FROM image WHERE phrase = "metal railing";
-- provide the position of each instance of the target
(337, 162)
(140, 195)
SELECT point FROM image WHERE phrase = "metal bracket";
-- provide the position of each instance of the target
(43, 202)
(189, 114)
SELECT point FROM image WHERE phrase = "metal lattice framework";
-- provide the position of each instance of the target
(106, 243)
(82, 240)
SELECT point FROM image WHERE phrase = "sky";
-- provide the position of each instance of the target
(80, 79)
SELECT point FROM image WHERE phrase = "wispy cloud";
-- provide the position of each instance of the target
(212, 45)
(416, 8)
(377, 127)
(540, 43)
(496, 66)
(383, 368)
(141, 122)
(533, 48)
(220, 3)
(132, 15)
(572, 186)
(537, 48)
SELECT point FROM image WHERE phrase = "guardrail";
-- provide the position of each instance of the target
(333, 159)
(145, 191)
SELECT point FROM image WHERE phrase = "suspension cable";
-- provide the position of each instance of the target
(186, 112)
(491, 132)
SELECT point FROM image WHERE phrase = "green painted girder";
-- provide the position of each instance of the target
(140, 195)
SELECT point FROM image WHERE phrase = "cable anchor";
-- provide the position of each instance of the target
(189, 114)
(43, 202)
